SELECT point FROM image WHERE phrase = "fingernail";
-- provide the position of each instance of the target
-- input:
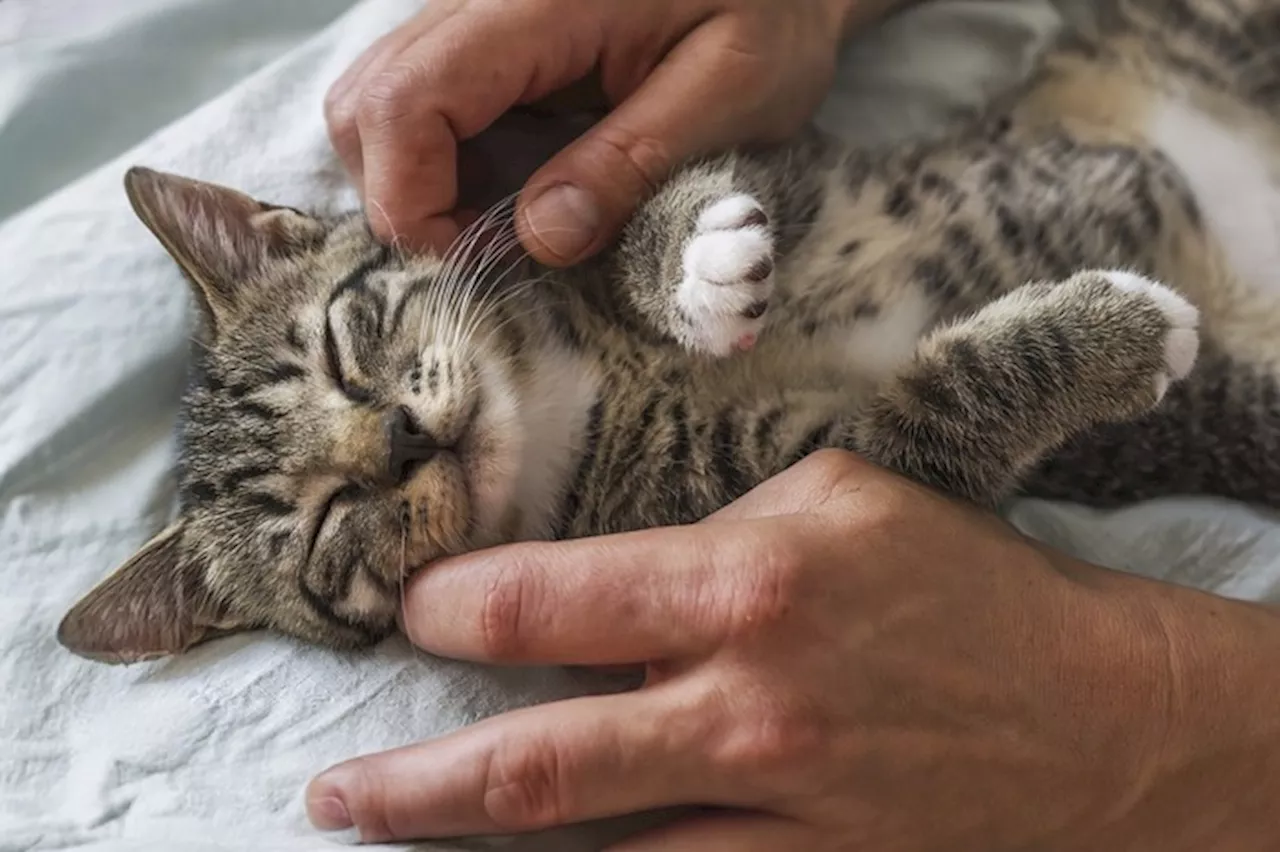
(565, 219)
(329, 814)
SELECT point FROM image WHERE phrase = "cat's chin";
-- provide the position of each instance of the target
(521, 447)
(491, 455)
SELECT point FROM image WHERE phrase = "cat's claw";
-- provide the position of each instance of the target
(728, 277)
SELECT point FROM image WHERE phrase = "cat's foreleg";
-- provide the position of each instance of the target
(986, 398)
(697, 262)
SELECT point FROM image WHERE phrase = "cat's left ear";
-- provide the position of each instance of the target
(155, 605)
(220, 237)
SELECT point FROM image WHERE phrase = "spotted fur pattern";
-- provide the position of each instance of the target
(1017, 308)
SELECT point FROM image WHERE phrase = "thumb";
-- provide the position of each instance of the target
(692, 104)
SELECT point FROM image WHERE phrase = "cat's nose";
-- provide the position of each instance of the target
(407, 444)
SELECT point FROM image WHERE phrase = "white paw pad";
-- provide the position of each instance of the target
(1183, 343)
(728, 277)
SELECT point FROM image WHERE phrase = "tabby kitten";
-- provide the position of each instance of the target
(980, 314)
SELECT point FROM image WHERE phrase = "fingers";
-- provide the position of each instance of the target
(398, 117)
(695, 101)
(567, 762)
(393, 161)
(630, 598)
(342, 102)
(408, 145)
(724, 832)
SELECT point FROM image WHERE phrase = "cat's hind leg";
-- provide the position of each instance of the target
(987, 398)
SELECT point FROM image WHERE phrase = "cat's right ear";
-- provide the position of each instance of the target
(220, 238)
(155, 605)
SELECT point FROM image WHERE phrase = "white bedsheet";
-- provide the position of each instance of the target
(211, 752)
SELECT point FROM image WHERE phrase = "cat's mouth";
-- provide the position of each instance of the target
(462, 496)
(435, 512)
(455, 497)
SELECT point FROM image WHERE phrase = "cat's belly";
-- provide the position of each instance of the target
(1235, 179)
(1232, 169)
(872, 349)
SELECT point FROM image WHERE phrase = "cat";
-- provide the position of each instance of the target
(1065, 297)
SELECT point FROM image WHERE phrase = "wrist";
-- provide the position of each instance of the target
(1207, 759)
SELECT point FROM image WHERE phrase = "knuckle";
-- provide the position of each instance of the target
(741, 67)
(830, 464)
(365, 795)
(832, 475)
(339, 112)
(644, 160)
(766, 592)
(505, 613)
(387, 100)
(524, 788)
(766, 739)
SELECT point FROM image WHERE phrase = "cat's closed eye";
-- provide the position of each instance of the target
(330, 506)
(334, 368)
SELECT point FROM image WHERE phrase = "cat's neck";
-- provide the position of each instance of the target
(546, 417)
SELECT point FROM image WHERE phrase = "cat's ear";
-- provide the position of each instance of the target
(220, 237)
(155, 605)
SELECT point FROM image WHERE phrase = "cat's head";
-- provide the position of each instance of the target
(352, 414)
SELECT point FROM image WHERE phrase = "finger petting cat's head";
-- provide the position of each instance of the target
(352, 414)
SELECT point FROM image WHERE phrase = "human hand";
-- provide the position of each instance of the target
(839, 660)
(686, 77)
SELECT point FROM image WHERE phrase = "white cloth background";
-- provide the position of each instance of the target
(211, 752)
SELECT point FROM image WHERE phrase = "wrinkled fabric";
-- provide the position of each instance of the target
(211, 752)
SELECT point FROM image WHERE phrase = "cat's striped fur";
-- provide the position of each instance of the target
(945, 309)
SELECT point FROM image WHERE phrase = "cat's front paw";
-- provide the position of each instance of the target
(728, 277)
(1181, 342)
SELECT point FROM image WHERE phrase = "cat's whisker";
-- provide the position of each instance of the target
(489, 262)
(486, 308)
(467, 239)
(456, 279)
(497, 328)
(486, 305)
(439, 294)
(510, 318)
(482, 311)
(459, 259)
(404, 572)
(467, 340)
(493, 252)
(465, 277)
(452, 264)
(397, 239)
(483, 277)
